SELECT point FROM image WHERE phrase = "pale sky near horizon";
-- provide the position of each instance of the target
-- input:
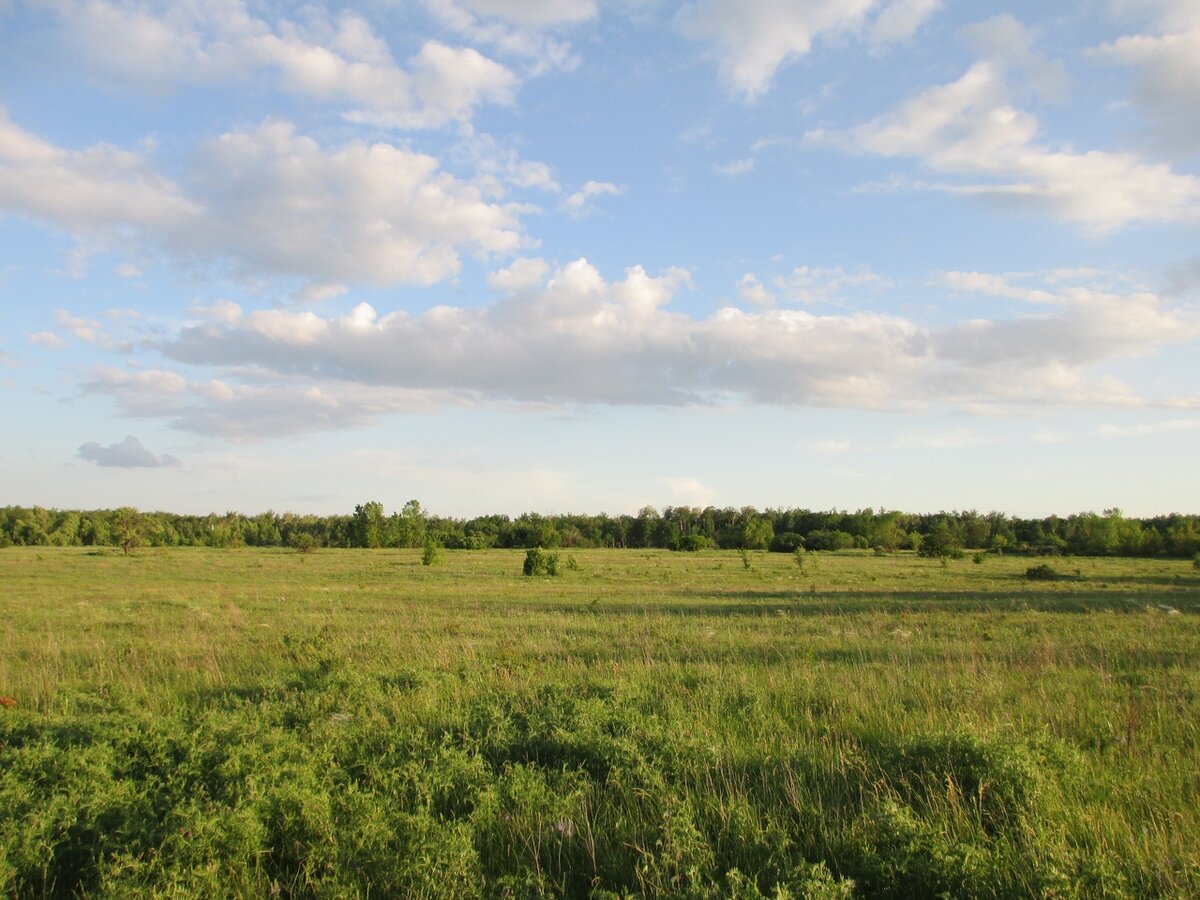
(587, 255)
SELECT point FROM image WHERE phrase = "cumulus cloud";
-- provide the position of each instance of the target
(1167, 61)
(572, 337)
(338, 60)
(128, 454)
(267, 201)
(968, 128)
(47, 340)
(752, 41)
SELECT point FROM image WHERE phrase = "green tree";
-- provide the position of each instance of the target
(367, 528)
(126, 528)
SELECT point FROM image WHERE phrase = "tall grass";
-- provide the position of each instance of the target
(350, 723)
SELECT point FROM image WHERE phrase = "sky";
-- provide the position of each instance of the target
(592, 255)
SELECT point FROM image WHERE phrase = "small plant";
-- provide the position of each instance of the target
(1041, 572)
(304, 542)
(1196, 561)
(879, 551)
(432, 554)
(798, 556)
(745, 555)
(539, 562)
(977, 559)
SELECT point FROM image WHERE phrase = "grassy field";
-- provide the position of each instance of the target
(352, 723)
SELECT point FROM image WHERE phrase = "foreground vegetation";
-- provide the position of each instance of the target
(353, 723)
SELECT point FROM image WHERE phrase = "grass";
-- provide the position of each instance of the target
(352, 723)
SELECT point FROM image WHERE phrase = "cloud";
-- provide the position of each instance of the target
(128, 454)
(571, 337)
(751, 290)
(338, 60)
(968, 128)
(577, 203)
(752, 41)
(539, 13)
(736, 167)
(1004, 40)
(257, 405)
(1167, 89)
(267, 202)
(47, 340)
(689, 491)
(817, 284)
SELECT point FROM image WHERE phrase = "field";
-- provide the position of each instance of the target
(352, 723)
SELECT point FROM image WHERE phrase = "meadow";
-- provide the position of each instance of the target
(260, 722)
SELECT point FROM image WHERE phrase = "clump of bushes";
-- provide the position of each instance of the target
(1196, 561)
(1041, 572)
(540, 562)
(304, 542)
(432, 554)
(693, 542)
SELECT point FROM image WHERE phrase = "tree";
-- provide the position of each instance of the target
(368, 525)
(127, 528)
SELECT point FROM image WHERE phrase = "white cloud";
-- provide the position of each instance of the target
(816, 284)
(689, 491)
(572, 337)
(735, 167)
(968, 128)
(261, 406)
(87, 330)
(752, 291)
(900, 19)
(47, 340)
(340, 60)
(267, 201)
(128, 454)
(577, 203)
(127, 270)
(1167, 90)
(84, 191)
(522, 275)
(752, 41)
(1004, 40)
(535, 12)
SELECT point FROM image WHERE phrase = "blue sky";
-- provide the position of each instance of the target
(578, 255)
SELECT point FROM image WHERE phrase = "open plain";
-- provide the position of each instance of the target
(194, 722)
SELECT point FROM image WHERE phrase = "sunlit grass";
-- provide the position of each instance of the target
(255, 721)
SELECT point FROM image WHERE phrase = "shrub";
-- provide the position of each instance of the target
(787, 542)
(1196, 561)
(539, 562)
(691, 542)
(304, 542)
(1041, 572)
(977, 559)
(432, 554)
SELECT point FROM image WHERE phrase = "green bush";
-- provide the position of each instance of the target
(432, 554)
(539, 562)
(1041, 572)
(693, 542)
(787, 542)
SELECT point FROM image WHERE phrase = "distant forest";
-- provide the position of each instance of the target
(675, 528)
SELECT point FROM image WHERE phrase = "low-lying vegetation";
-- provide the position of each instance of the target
(255, 722)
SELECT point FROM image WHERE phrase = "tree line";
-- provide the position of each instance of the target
(676, 528)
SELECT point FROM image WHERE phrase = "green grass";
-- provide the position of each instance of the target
(353, 723)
